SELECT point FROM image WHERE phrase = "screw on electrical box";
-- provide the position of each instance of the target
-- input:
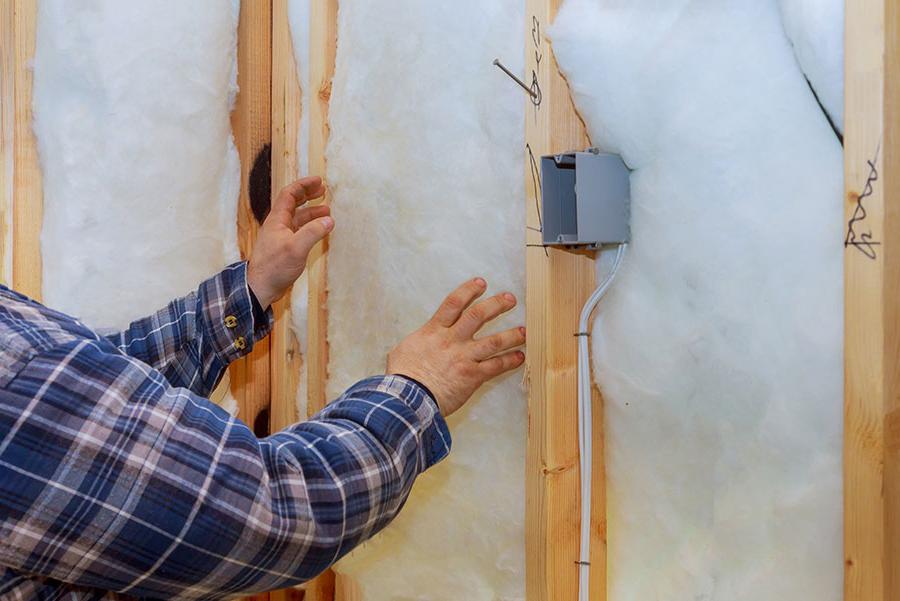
(531, 92)
(585, 199)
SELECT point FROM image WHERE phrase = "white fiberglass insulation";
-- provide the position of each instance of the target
(718, 349)
(141, 177)
(425, 165)
(816, 31)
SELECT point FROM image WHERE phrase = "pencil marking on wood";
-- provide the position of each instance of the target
(863, 241)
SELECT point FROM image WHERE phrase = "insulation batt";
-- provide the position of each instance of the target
(718, 350)
(425, 163)
(816, 30)
(141, 176)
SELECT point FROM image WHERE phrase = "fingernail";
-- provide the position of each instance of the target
(328, 222)
(509, 297)
(520, 355)
(522, 331)
(480, 282)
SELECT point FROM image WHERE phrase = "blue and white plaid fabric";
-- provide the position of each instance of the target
(118, 479)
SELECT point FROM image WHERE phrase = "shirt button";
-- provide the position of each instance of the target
(231, 321)
(240, 344)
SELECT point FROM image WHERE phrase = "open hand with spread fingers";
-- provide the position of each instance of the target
(444, 354)
(285, 239)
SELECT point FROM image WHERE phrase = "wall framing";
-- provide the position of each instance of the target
(323, 46)
(557, 282)
(287, 108)
(251, 124)
(287, 362)
(7, 139)
(872, 301)
(22, 201)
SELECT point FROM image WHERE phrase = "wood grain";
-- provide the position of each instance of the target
(7, 135)
(27, 195)
(872, 306)
(558, 283)
(287, 361)
(287, 107)
(252, 126)
(347, 589)
(323, 48)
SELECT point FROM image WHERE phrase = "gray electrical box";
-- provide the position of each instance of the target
(585, 198)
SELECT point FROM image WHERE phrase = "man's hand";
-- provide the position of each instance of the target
(443, 354)
(285, 239)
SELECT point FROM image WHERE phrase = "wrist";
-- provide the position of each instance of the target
(260, 291)
(421, 383)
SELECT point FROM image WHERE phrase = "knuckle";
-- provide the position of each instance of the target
(453, 302)
(477, 313)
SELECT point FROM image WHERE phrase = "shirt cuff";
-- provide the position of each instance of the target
(435, 441)
(228, 316)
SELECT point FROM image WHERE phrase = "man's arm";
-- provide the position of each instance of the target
(149, 490)
(194, 339)
(114, 480)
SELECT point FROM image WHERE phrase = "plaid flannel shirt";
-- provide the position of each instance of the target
(118, 479)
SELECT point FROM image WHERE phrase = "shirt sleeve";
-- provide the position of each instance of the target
(194, 339)
(114, 480)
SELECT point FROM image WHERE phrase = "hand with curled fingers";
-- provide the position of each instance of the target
(286, 238)
(444, 354)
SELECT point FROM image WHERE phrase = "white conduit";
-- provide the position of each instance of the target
(585, 434)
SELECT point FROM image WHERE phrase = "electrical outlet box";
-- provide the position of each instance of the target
(585, 199)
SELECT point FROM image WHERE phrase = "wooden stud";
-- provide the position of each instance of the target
(252, 127)
(323, 49)
(323, 45)
(7, 135)
(26, 192)
(872, 301)
(287, 361)
(347, 589)
(322, 588)
(287, 109)
(557, 285)
(288, 594)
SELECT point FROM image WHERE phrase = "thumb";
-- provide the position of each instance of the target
(311, 233)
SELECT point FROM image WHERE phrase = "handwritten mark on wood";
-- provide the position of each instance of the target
(538, 193)
(856, 237)
(537, 40)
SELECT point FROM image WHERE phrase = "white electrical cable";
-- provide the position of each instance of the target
(584, 424)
